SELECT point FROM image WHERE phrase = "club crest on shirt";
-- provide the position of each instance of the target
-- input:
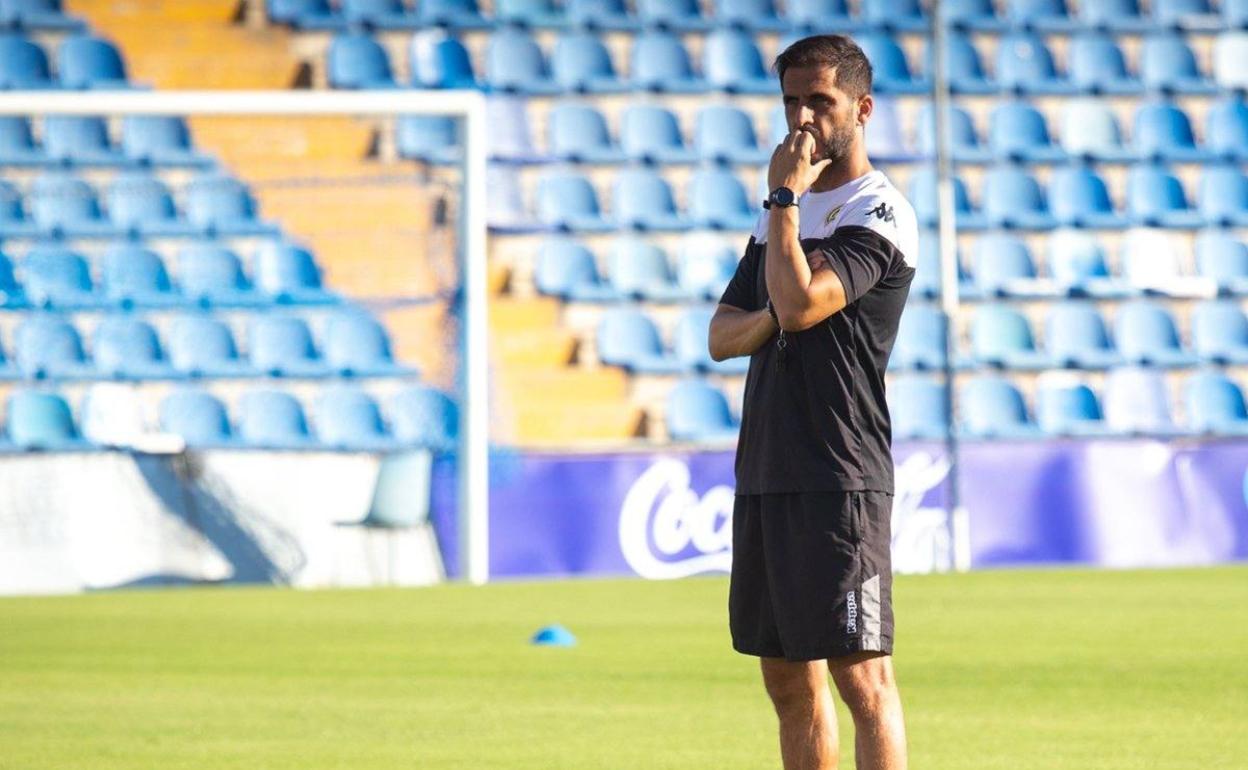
(832, 214)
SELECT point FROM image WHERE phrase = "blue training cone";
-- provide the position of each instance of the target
(554, 636)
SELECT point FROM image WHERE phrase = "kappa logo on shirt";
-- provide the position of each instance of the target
(832, 214)
(885, 212)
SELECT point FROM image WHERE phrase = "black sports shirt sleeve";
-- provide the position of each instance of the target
(742, 289)
(860, 257)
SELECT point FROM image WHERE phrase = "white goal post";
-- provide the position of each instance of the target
(473, 467)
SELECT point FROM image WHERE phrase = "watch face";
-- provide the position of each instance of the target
(782, 196)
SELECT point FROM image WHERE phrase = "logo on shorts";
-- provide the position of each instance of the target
(851, 609)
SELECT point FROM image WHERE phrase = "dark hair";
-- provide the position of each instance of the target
(853, 71)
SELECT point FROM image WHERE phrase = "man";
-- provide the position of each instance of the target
(815, 303)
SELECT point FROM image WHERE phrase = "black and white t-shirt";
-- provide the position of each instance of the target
(814, 417)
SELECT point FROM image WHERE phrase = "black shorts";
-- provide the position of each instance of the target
(811, 575)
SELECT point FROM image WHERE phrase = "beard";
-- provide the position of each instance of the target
(837, 146)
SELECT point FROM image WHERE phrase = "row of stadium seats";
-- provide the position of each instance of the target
(1077, 337)
(1012, 199)
(60, 204)
(37, 15)
(763, 15)
(722, 133)
(73, 140)
(82, 61)
(208, 274)
(198, 345)
(731, 62)
(342, 418)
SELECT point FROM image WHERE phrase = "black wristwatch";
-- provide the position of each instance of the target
(781, 197)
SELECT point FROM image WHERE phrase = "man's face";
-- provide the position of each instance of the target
(813, 103)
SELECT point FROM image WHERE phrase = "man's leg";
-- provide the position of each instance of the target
(803, 702)
(866, 684)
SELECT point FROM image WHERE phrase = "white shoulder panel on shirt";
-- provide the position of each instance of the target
(882, 209)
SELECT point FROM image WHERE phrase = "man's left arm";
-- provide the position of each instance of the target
(803, 287)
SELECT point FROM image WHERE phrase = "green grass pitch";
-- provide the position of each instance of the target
(1009, 669)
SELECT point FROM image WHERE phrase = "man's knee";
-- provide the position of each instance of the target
(794, 688)
(865, 682)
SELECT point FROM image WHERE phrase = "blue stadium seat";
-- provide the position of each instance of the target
(79, 139)
(1114, 16)
(41, 421)
(567, 201)
(505, 210)
(1065, 407)
(1013, 199)
(978, 15)
(378, 14)
(964, 68)
(13, 219)
(920, 339)
(1137, 402)
(529, 13)
(54, 276)
(511, 140)
(1147, 336)
(307, 15)
(689, 342)
(697, 411)
(578, 133)
(643, 200)
(627, 338)
(963, 141)
(650, 133)
(1169, 66)
(1090, 131)
(892, 16)
(1017, 132)
(1235, 13)
(347, 418)
(919, 409)
(197, 416)
(455, 14)
(891, 71)
(23, 65)
(222, 205)
(282, 346)
(12, 296)
(1229, 53)
(926, 284)
(1078, 197)
(1226, 129)
(1223, 258)
(1096, 65)
(203, 346)
(1223, 196)
(1001, 337)
(1025, 65)
(133, 276)
(581, 64)
(87, 61)
(1004, 268)
(659, 62)
(732, 63)
(1077, 262)
(1220, 333)
(160, 140)
(1194, 15)
(356, 60)
(674, 15)
(356, 345)
(1043, 16)
(993, 408)
(17, 143)
(754, 15)
(1155, 198)
(1215, 404)
(567, 269)
(272, 419)
(1076, 337)
(725, 134)
(432, 139)
(288, 273)
(926, 208)
(437, 60)
(49, 347)
(128, 348)
(705, 265)
(717, 200)
(1162, 132)
(42, 15)
(424, 417)
(141, 205)
(514, 64)
(603, 15)
(640, 270)
(212, 275)
(813, 16)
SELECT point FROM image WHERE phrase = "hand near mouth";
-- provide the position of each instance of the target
(794, 164)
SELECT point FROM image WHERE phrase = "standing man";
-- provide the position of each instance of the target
(815, 303)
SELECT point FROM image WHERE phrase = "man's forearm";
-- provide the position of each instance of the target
(739, 333)
(787, 271)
